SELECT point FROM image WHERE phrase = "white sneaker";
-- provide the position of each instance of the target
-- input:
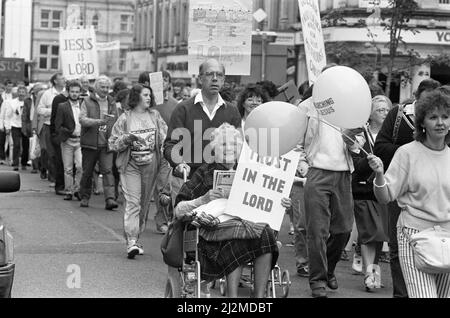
(141, 250)
(132, 251)
(357, 263)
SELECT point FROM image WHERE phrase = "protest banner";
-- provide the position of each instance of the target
(221, 30)
(156, 83)
(79, 56)
(312, 37)
(259, 185)
(12, 69)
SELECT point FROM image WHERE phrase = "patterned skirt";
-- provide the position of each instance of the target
(219, 259)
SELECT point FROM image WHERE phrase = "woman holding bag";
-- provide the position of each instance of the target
(419, 179)
(137, 137)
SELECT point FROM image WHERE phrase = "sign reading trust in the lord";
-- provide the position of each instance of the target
(259, 185)
(79, 55)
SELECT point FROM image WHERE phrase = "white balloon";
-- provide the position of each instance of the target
(342, 97)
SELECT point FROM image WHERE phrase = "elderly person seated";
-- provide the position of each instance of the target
(226, 247)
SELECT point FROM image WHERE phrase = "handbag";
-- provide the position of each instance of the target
(172, 244)
(431, 250)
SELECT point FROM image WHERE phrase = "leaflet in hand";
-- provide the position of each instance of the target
(223, 180)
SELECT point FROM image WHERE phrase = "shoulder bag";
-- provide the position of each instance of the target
(431, 250)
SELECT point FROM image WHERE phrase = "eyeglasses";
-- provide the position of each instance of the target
(218, 75)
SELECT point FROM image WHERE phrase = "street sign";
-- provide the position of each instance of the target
(12, 69)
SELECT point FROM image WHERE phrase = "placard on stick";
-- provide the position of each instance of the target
(78, 50)
(156, 83)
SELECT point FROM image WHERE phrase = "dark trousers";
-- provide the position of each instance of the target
(47, 150)
(58, 165)
(105, 160)
(398, 281)
(2, 145)
(21, 144)
(329, 221)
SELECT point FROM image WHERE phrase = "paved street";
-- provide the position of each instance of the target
(53, 236)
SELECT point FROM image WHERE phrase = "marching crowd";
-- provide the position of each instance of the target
(385, 181)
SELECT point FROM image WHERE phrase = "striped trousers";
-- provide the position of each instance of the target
(418, 283)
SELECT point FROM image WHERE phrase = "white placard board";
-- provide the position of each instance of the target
(259, 185)
(156, 83)
(221, 30)
(78, 51)
(313, 38)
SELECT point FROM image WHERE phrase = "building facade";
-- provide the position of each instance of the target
(161, 36)
(161, 43)
(112, 19)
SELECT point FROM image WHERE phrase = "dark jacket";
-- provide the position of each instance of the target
(90, 121)
(65, 122)
(384, 145)
(59, 99)
(26, 120)
(363, 176)
(184, 116)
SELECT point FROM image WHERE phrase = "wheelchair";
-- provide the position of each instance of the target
(277, 286)
(185, 281)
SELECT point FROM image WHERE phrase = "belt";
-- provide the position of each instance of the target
(73, 136)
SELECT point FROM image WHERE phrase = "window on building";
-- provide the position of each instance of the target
(51, 19)
(95, 20)
(126, 23)
(56, 19)
(122, 60)
(444, 1)
(45, 18)
(48, 57)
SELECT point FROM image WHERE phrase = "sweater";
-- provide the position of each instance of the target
(419, 178)
(198, 128)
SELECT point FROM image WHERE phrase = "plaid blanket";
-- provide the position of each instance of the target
(236, 228)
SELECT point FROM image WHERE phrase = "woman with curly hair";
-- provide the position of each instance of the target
(251, 97)
(137, 137)
(419, 179)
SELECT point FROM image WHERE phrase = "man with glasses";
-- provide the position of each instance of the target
(186, 138)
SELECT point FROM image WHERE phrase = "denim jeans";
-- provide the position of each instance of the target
(71, 154)
(329, 220)
(138, 183)
(89, 160)
(398, 281)
(298, 220)
(21, 147)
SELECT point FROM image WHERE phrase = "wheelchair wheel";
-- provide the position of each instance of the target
(223, 286)
(173, 284)
(285, 283)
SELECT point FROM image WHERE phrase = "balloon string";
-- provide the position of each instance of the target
(346, 136)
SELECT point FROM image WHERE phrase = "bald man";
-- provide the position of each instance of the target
(205, 111)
